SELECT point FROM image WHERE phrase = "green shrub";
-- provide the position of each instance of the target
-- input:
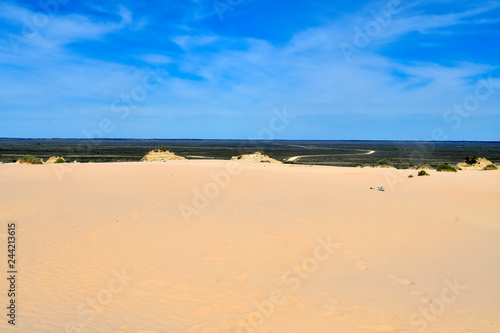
(471, 161)
(163, 149)
(446, 168)
(423, 173)
(60, 160)
(30, 160)
(491, 167)
(410, 176)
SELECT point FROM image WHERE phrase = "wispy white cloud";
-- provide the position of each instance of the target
(156, 59)
(427, 23)
(189, 41)
(40, 30)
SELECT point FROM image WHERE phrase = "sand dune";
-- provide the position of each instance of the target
(218, 246)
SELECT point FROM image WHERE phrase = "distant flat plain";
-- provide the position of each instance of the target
(402, 154)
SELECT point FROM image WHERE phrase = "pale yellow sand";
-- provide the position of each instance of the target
(106, 248)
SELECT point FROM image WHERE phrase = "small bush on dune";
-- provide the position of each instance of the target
(491, 167)
(163, 149)
(423, 173)
(470, 160)
(60, 160)
(446, 168)
(384, 163)
(30, 160)
(410, 176)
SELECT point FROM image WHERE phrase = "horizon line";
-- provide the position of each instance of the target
(249, 140)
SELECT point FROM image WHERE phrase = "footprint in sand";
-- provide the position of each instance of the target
(95, 235)
(401, 280)
(267, 230)
(426, 300)
(422, 297)
(380, 328)
(242, 277)
(329, 309)
(291, 300)
(360, 263)
(193, 329)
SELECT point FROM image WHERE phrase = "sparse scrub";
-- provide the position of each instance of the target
(491, 167)
(446, 168)
(384, 163)
(60, 160)
(470, 160)
(410, 176)
(30, 159)
(423, 173)
(163, 149)
(475, 163)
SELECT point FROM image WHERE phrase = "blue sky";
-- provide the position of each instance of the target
(224, 69)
